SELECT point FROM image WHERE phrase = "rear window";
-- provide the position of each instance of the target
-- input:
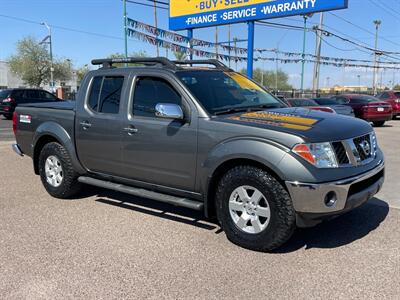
(303, 102)
(4, 94)
(326, 101)
(364, 99)
(397, 94)
(105, 94)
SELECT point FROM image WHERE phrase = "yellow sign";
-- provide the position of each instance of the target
(191, 7)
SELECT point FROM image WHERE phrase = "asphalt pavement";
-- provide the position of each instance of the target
(6, 133)
(108, 245)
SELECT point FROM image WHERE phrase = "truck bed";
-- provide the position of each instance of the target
(59, 115)
(62, 105)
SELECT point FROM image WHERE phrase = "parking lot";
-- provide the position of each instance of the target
(108, 245)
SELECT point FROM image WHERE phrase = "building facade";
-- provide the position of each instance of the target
(10, 80)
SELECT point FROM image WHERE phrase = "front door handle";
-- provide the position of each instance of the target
(85, 125)
(131, 130)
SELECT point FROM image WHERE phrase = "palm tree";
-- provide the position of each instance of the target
(180, 55)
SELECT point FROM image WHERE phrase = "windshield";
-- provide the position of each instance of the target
(227, 91)
(325, 101)
(4, 94)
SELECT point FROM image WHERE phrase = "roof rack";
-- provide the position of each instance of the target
(150, 61)
(218, 65)
(108, 62)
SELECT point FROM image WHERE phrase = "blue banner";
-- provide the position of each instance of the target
(204, 13)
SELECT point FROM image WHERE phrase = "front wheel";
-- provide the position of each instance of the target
(378, 123)
(57, 173)
(254, 209)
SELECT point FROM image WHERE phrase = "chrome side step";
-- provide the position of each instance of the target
(178, 201)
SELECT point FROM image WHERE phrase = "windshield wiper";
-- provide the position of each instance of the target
(231, 111)
(246, 109)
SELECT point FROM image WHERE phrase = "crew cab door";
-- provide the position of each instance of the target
(98, 124)
(157, 150)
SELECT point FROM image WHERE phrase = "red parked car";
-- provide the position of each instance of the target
(368, 108)
(392, 97)
(308, 103)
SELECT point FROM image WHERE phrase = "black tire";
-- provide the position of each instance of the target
(8, 117)
(378, 123)
(69, 185)
(282, 220)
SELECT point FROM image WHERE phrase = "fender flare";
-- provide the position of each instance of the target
(56, 131)
(261, 151)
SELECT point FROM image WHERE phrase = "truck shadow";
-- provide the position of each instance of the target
(155, 208)
(341, 231)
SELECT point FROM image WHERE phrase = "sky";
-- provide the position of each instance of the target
(87, 29)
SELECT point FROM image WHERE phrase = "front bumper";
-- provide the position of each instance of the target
(311, 203)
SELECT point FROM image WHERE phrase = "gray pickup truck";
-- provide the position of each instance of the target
(197, 134)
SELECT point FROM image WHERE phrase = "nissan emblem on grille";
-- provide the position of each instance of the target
(365, 147)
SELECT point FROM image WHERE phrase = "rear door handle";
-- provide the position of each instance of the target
(131, 130)
(85, 124)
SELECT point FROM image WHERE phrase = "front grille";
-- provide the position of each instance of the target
(340, 152)
(363, 146)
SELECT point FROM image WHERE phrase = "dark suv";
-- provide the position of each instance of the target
(11, 98)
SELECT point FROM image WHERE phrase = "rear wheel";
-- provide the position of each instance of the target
(378, 123)
(254, 209)
(57, 173)
(8, 116)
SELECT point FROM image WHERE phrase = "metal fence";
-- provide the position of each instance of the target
(310, 94)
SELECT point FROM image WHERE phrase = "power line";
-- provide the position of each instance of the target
(363, 29)
(148, 5)
(387, 10)
(62, 27)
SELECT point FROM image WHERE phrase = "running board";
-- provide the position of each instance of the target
(178, 201)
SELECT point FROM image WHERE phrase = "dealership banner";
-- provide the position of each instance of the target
(185, 14)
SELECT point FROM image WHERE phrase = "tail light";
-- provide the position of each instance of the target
(8, 100)
(14, 122)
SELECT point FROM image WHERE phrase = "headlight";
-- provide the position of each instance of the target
(320, 155)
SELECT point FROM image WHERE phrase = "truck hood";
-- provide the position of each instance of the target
(312, 126)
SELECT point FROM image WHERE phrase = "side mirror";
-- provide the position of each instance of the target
(169, 111)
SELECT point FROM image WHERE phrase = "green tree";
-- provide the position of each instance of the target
(32, 63)
(397, 87)
(269, 78)
(81, 72)
(180, 55)
(140, 53)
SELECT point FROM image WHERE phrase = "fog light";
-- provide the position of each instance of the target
(330, 199)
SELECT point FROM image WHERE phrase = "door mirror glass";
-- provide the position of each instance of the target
(169, 111)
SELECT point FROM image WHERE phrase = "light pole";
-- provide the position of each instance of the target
(359, 82)
(377, 24)
(125, 31)
(317, 64)
(51, 56)
(304, 52)
(156, 25)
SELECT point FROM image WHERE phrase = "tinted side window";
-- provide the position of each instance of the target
(46, 96)
(342, 100)
(95, 93)
(111, 95)
(18, 95)
(149, 91)
(31, 95)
